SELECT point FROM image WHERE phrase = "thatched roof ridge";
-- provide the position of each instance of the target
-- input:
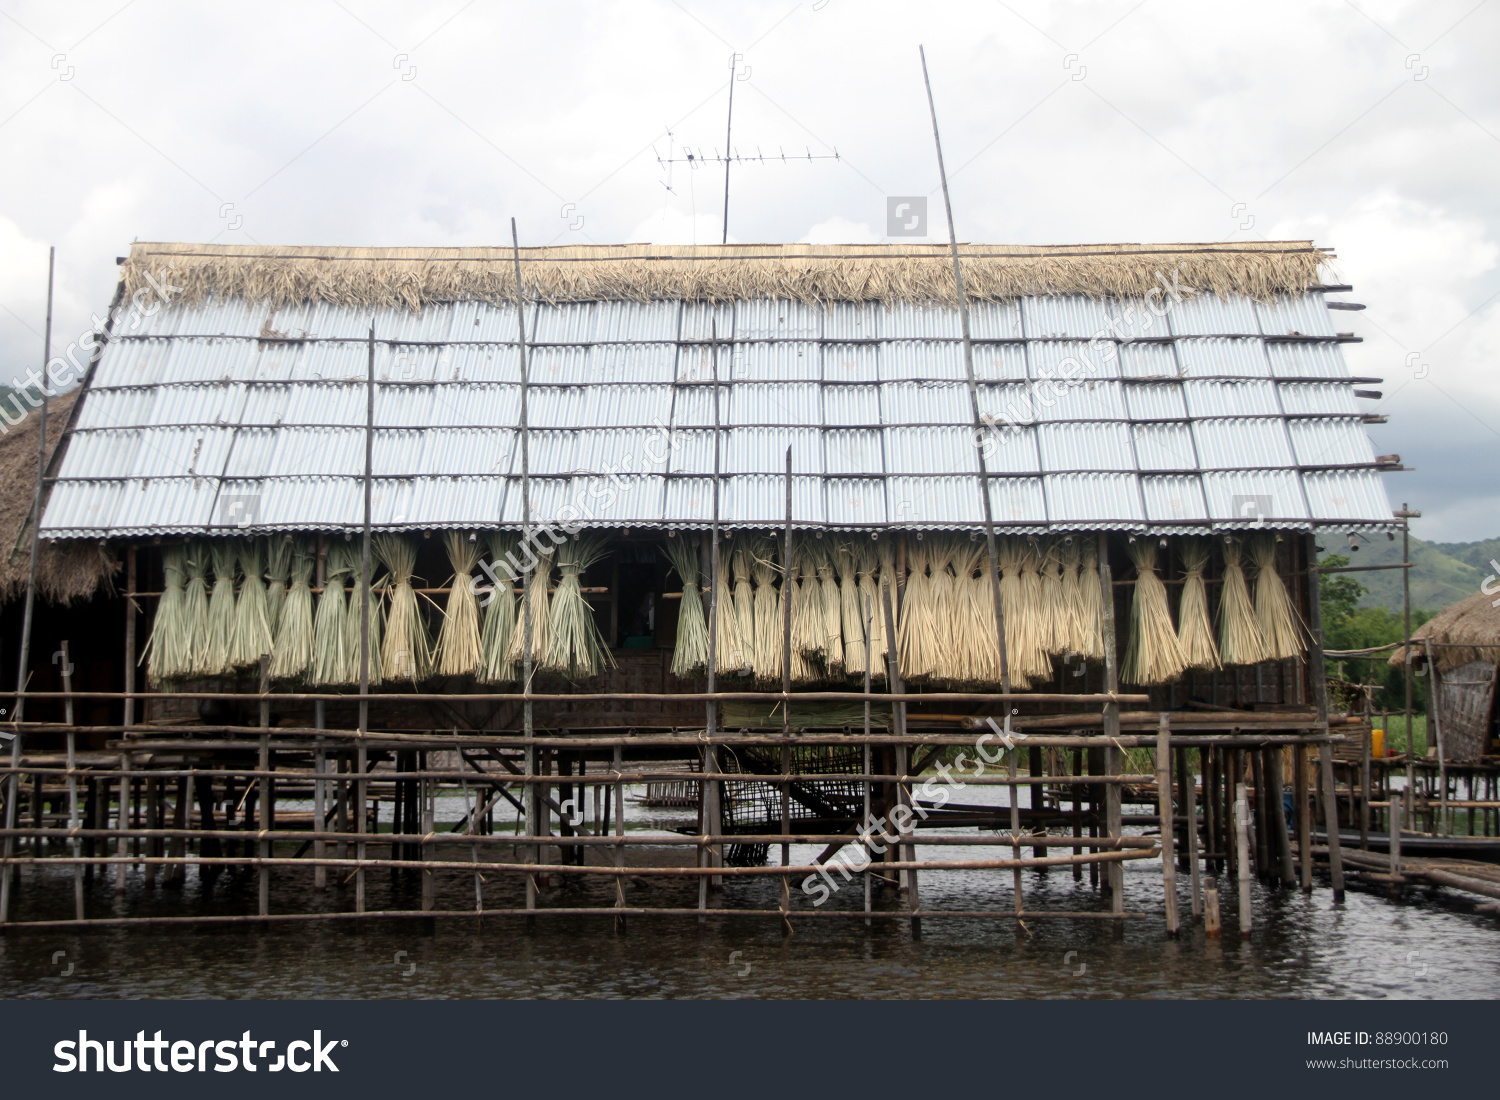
(414, 277)
(1465, 625)
(66, 571)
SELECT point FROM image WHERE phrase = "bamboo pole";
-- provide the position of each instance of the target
(712, 791)
(1316, 672)
(1303, 817)
(1192, 839)
(132, 610)
(1278, 821)
(1436, 708)
(1112, 822)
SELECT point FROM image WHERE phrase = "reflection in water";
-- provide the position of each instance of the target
(1302, 946)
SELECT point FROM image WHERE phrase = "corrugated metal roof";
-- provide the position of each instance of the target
(873, 401)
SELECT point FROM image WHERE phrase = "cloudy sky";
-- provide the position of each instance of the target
(1369, 126)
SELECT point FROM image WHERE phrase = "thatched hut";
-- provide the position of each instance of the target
(1464, 644)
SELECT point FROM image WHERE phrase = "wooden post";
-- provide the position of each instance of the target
(1317, 674)
(362, 822)
(1112, 817)
(424, 851)
(1013, 793)
(1180, 831)
(1303, 816)
(1261, 814)
(1037, 799)
(909, 850)
(1444, 827)
(1331, 821)
(1164, 809)
(320, 816)
(619, 793)
(1077, 803)
(1364, 780)
(1278, 822)
(1394, 834)
(1191, 833)
(131, 610)
(1242, 848)
(867, 621)
(67, 679)
(1212, 924)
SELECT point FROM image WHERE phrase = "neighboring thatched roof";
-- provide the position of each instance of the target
(414, 277)
(66, 571)
(1468, 623)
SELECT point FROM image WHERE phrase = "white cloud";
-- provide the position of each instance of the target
(675, 227)
(839, 231)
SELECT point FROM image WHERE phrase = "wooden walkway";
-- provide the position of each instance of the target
(1468, 875)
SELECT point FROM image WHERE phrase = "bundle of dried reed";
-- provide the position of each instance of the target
(1195, 629)
(252, 623)
(1090, 640)
(167, 653)
(406, 653)
(353, 640)
(731, 654)
(292, 652)
(459, 649)
(1070, 593)
(218, 654)
(828, 601)
(851, 622)
(330, 658)
(743, 601)
(917, 635)
(499, 613)
(1029, 659)
(278, 570)
(536, 569)
(576, 648)
(1057, 612)
(808, 639)
(1240, 639)
(690, 656)
(768, 597)
(1280, 626)
(1152, 652)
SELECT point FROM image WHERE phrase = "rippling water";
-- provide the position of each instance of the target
(1431, 945)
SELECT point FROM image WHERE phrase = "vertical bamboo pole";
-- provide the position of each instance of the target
(13, 791)
(1394, 836)
(1262, 840)
(977, 423)
(362, 821)
(619, 792)
(131, 612)
(73, 845)
(424, 850)
(1164, 808)
(1444, 826)
(1013, 794)
(1365, 747)
(1112, 815)
(1303, 816)
(867, 622)
(534, 853)
(1317, 674)
(1208, 765)
(1078, 756)
(1037, 799)
(786, 690)
(713, 790)
(1242, 848)
(122, 823)
(320, 814)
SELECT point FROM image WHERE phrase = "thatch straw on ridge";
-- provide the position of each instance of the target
(1465, 632)
(412, 278)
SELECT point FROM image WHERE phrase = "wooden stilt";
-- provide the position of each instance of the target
(1191, 833)
(1242, 849)
(1331, 822)
(1164, 809)
(1282, 840)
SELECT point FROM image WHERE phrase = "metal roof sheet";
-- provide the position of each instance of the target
(873, 400)
(1253, 498)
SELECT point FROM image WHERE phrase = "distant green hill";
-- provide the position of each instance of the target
(1477, 554)
(1439, 577)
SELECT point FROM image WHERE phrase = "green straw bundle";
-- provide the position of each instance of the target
(499, 614)
(576, 648)
(219, 653)
(405, 653)
(460, 651)
(1195, 628)
(252, 624)
(330, 658)
(353, 642)
(743, 600)
(808, 637)
(1152, 652)
(292, 654)
(195, 610)
(536, 598)
(768, 597)
(1240, 639)
(729, 649)
(690, 657)
(1057, 619)
(168, 653)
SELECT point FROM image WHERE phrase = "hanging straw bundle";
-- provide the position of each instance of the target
(499, 614)
(406, 653)
(881, 563)
(536, 598)
(330, 659)
(963, 623)
(1057, 619)
(1091, 587)
(1240, 639)
(218, 654)
(459, 649)
(1012, 601)
(353, 642)
(171, 634)
(916, 633)
(1152, 653)
(292, 654)
(768, 612)
(1027, 655)
(807, 612)
(1195, 629)
(1280, 626)
(690, 657)
(195, 609)
(279, 550)
(730, 653)
(829, 602)
(576, 648)
(252, 624)
(743, 601)
(1070, 584)
(851, 615)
